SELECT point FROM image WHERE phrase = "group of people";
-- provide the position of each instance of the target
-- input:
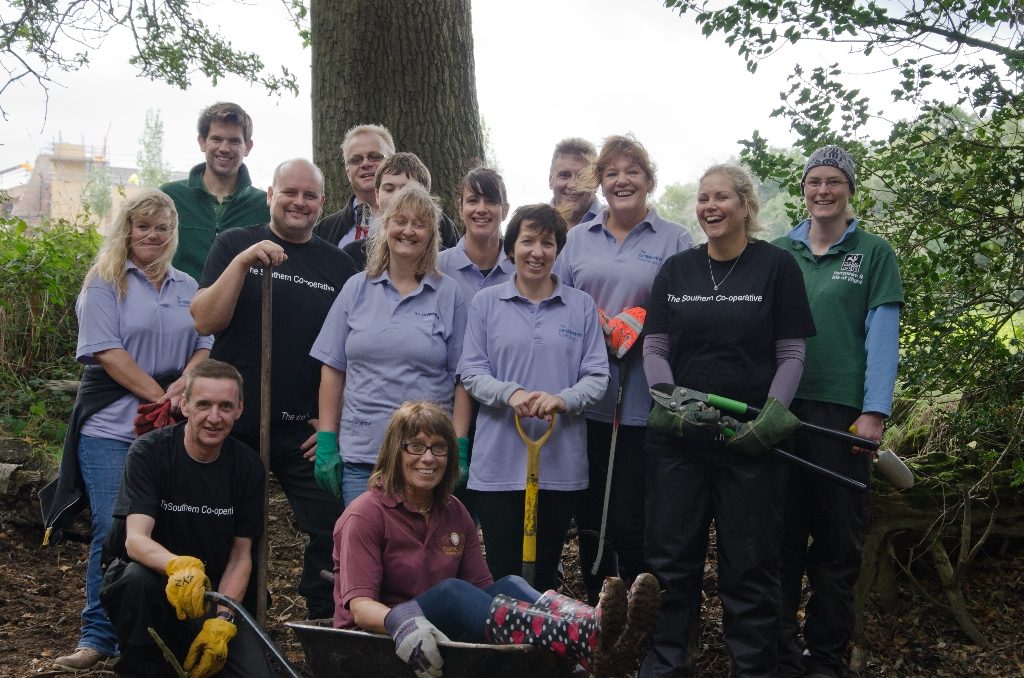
(405, 360)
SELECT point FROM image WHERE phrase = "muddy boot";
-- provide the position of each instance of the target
(568, 628)
(642, 615)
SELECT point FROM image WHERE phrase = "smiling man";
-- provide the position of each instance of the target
(218, 193)
(308, 273)
(189, 508)
(571, 157)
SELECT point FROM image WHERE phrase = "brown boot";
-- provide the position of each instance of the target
(81, 659)
(642, 615)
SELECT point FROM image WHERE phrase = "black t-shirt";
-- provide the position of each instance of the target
(199, 508)
(723, 341)
(304, 289)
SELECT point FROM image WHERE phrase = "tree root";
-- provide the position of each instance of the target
(954, 594)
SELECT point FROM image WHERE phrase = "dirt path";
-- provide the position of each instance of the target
(42, 591)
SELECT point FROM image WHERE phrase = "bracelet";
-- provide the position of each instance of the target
(227, 616)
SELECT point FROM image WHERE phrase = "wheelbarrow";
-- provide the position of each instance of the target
(345, 653)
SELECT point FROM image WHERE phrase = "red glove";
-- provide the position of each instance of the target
(624, 329)
(153, 416)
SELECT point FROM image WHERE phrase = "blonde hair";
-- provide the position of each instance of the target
(110, 261)
(745, 188)
(412, 198)
(411, 418)
(380, 130)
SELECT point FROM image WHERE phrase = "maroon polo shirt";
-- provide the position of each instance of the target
(388, 552)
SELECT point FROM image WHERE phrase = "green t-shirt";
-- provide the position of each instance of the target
(853, 277)
(201, 217)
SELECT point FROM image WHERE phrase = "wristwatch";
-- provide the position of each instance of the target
(227, 616)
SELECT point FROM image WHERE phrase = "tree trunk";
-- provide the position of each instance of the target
(406, 65)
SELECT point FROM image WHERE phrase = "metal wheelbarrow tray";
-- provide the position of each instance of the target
(358, 654)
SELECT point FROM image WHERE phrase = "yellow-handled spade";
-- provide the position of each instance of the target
(530, 512)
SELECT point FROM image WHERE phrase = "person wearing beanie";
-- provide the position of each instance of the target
(854, 288)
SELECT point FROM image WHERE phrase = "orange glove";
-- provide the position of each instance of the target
(624, 330)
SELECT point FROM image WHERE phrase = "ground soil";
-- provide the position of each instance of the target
(41, 595)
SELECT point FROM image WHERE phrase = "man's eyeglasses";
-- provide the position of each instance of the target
(357, 160)
(831, 184)
(438, 449)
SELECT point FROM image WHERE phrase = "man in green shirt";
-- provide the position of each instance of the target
(218, 193)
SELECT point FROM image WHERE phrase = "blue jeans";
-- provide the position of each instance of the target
(102, 464)
(460, 609)
(354, 479)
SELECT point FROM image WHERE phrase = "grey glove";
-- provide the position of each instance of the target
(772, 425)
(691, 420)
(415, 639)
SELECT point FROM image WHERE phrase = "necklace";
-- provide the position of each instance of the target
(426, 511)
(735, 261)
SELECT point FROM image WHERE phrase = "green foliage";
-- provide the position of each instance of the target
(172, 42)
(946, 187)
(96, 194)
(153, 171)
(40, 276)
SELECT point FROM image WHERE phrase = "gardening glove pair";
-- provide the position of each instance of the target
(153, 416)
(209, 651)
(463, 461)
(694, 420)
(187, 583)
(415, 639)
(327, 468)
(622, 331)
(771, 426)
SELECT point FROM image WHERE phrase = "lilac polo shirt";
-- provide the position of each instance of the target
(619, 276)
(153, 326)
(542, 347)
(387, 552)
(455, 263)
(391, 349)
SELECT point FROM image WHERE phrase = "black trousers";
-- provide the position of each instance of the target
(625, 530)
(687, 489)
(316, 512)
(834, 518)
(501, 519)
(134, 598)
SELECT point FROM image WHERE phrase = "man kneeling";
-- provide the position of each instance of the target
(190, 506)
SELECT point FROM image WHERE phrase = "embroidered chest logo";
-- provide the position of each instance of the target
(451, 544)
(850, 269)
(648, 258)
(184, 303)
(852, 262)
(569, 333)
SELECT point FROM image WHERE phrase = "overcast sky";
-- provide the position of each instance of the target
(603, 67)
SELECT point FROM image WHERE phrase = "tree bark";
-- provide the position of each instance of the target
(406, 65)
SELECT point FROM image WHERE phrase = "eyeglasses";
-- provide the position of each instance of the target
(438, 449)
(357, 160)
(831, 184)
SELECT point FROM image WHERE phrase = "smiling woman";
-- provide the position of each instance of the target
(394, 332)
(407, 562)
(136, 338)
(533, 349)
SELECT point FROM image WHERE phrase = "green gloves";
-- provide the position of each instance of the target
(187, 583)
(692, 420)
(774, 424)
(209, 651)
(327, 469)
(463, 461)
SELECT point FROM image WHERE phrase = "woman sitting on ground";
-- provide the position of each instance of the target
(407, 562)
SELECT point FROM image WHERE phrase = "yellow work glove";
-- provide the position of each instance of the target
(187, 583)
(209, 651)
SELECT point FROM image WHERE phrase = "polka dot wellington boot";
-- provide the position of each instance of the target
(568, 628)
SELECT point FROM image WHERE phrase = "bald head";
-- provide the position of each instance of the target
(295, 199)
